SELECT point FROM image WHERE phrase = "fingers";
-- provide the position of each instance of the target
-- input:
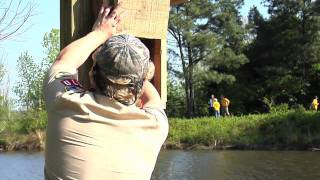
(102, 9)
(117, 19)
(117, 10)
(122, 14)
(106, 12)
(113, 15)
(100, 12)
(118, 6)
(109, 17)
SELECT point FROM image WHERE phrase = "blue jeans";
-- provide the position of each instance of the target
(217, 114)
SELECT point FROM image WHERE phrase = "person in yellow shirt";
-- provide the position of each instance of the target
(216, 107)
(225, 102)
(315, 103)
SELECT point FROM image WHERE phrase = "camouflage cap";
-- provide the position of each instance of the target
(123, 56)
(121, 66)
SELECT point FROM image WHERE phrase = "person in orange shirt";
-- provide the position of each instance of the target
(225, 102)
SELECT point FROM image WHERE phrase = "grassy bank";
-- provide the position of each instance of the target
(279, 130)
(33, 141)
(23, 131)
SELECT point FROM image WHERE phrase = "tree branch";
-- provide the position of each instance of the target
(12, 25)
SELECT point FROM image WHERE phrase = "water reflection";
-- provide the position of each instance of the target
(237, 165)
(21, 166)
(194, 165)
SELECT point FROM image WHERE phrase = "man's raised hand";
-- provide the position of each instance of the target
(108, 20)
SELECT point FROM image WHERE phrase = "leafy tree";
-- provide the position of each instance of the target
(285, 56)
(14, 16)
(51, 43)
(29, 86)
(32, 74)
(209, 39)
(2, 71)
(4, 99)
(176, 99)
(191, 42)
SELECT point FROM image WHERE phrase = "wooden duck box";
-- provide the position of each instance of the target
(146, 19)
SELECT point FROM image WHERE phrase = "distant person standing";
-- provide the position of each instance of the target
(216, 106)
(211, 109)
(225, 102)
(315, 103)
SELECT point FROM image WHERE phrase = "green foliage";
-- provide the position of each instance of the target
(208, 41)
(32, 74)
(26, 122)
(29, 88)
(299, 130)
(284, 58)
(284, 52)
(298, 108)
(32, 121)
(194, 43)
(268, 102)
(280, 108)
(175, 102)
(27, 126)
(51, 43)
(4, 101)
(2, 71)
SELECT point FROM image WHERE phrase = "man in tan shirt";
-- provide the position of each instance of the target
(102, 135)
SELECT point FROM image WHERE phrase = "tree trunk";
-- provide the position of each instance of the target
(188, 76)
(185, 75)
(187, 90)
(190, 83)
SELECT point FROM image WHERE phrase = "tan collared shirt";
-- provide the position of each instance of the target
(92, 137)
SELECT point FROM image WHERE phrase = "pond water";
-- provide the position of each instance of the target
(195, 165)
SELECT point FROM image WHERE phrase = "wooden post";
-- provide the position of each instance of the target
(75, 22)
(146, 19)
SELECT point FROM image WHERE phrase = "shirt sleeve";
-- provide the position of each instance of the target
(160, 116)
(58, 81)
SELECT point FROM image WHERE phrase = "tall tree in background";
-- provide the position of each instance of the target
(284, 57)
(51, 43)
(29, 88)
(4, 99)
(209, 40)
(193, 44)
(14, 18)
(222, 67)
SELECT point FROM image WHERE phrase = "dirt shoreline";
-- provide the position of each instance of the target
(181, 146)
(25, 147)
(36, 146)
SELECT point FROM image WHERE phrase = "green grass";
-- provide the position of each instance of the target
(23, 131)
(281, 130)
(277, 130)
